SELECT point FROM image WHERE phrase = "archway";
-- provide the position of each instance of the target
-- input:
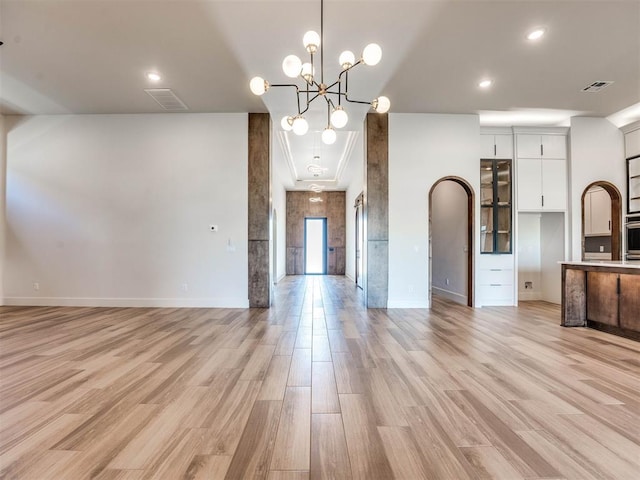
(601, 220)
(469, 245)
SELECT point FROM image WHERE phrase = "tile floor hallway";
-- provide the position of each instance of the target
(315, 387)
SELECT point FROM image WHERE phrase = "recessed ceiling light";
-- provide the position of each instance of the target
(153, 76)
(536, 34)
(485, 83)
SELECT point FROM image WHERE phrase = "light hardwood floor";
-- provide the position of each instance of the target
(316, 387)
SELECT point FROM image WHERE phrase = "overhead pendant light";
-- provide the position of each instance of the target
(334, 94)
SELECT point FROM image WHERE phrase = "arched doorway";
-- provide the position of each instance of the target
(441, 221)
(601, 222)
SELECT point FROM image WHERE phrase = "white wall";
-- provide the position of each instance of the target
(422, 149)
(3, 196)
(551, 252)
(529, 251)
(449, 241)
(355, 172)
(540, 248)
(279, 205)
(115, 210)
(597, 153)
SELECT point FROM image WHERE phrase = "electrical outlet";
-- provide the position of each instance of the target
(447, 281)
(601, 248)
(528, 285)
(36, 286)
(185, 287)
(213, 228)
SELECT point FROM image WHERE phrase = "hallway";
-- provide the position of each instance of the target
(315, 387)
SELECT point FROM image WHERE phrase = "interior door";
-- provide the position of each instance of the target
(359, 245)
(315, 246)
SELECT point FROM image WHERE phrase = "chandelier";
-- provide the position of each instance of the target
(333, 93)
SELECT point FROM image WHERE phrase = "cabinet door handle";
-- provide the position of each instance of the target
(609, 225)
(495, 285)
(495, 150)
(543, 200)
(541, 150)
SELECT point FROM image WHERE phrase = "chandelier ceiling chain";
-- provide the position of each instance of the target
(294, 68)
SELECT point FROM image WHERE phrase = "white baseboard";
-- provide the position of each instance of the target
(128, 302)
(453, 296)
(350, 277)
(279, 279)
(407, 303)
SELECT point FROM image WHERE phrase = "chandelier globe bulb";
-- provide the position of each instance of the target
(300, 125)
(328, 136)
(311, 41)
(291, 66)
(287, 123)
(381, 104)
(258, 85)
(347, 59)
(372, 54)
(307, 72)
(339, 117)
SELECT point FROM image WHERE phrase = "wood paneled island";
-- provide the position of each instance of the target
(603, 295)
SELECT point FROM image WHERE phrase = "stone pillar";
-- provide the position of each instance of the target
(259, 172)
(377, 210)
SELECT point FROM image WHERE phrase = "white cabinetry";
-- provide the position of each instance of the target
(496, 146)
(541, 172)
(632, 143)
(597, 213)
(496, 280)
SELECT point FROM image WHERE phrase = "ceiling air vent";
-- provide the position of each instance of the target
(596, 86)
(167, 99)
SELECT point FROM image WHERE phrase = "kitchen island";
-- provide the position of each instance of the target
(603, 295)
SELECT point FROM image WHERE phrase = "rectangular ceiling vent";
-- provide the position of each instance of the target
(596, 86)
(167, 99)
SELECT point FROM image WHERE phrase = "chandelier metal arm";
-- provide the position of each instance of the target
(297, 93)
(346, 86)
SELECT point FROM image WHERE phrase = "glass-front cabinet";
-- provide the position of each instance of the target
(496, 226)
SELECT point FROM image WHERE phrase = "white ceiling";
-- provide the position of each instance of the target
(90, 56)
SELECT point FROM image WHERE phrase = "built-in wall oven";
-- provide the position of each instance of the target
(633, 237)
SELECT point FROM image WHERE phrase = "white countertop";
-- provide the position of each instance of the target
(635, 264)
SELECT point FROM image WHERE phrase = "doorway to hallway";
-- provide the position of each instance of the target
(315, 246)
(451, 203)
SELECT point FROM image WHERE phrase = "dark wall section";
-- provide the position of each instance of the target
(333, 208)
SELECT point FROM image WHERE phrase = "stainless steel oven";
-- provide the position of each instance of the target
(633, 237)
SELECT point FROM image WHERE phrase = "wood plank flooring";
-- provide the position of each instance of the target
(316, 387)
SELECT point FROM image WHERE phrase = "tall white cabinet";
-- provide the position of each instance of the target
(496, 271)
(542, 172)
(541, 236)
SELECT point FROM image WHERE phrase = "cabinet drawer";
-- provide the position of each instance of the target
(496, 276)
(495, 293)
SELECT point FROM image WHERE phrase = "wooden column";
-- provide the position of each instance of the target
(259, 173)
(377, 210)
